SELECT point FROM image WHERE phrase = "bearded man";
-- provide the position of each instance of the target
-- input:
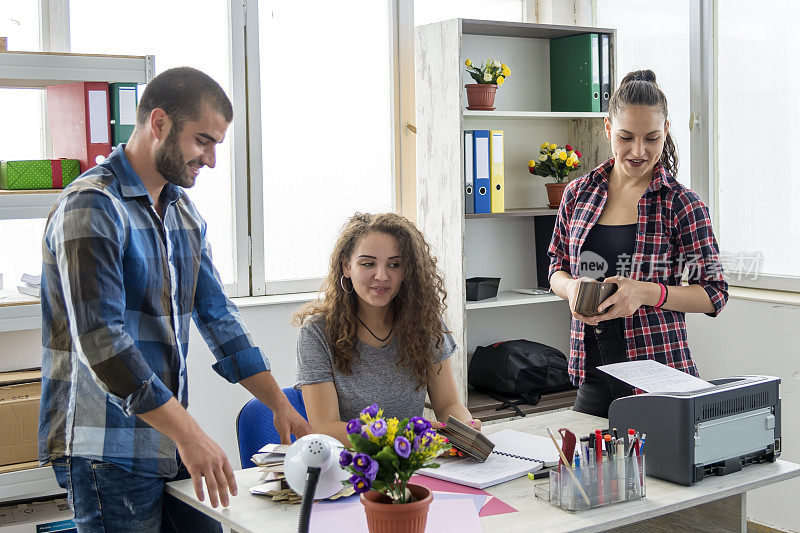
(126, 264)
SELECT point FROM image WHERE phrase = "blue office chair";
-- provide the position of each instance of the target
(254, 426)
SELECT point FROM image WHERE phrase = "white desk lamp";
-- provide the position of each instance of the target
(312, 470)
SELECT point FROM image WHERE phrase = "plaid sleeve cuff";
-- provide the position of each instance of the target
(242, 364)
(717, 294)
(151, 395)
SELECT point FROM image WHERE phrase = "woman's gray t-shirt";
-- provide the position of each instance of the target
(377, 376)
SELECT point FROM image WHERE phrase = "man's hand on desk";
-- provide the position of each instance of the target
(205, 459)
(288, 421)
(285, 417)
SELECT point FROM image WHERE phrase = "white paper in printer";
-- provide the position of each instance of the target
(652, 376)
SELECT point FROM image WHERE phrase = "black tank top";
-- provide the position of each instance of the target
(607, 251)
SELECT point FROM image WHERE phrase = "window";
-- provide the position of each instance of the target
(318, 102)
(19, 23)
(758, 109)
(24, 237)
(191, 33)
(644, 44)
(326, 127)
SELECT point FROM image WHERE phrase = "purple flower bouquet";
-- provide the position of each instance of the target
(386, 452)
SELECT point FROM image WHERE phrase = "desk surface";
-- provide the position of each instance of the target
(248, 513)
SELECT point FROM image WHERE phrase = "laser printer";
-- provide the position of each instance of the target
(711, 431)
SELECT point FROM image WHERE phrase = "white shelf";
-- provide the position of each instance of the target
(19, 311)
(515, 212)
(27, 204)
(40, 69)
(28, 484)
(546, 115)
(509, 298)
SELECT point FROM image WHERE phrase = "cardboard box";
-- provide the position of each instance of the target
(19, 416)
(49, 516)
(38, 173)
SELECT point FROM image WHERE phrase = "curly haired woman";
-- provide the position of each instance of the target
(377, 335)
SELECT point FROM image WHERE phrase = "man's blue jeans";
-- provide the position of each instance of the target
(106, 498)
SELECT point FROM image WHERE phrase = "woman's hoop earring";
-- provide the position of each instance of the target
(341, 282)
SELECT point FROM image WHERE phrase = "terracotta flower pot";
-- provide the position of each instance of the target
(554, 193)
(383, 516)
(480, 96)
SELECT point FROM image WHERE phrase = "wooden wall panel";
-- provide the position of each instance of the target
(440, 198)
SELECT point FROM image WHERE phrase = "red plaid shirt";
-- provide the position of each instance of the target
(673, 234)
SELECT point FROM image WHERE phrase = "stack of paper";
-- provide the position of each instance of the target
(271, 455)
(31, 285)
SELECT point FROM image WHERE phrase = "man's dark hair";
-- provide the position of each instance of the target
(182, 92)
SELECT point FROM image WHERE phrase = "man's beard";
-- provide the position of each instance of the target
(170, 162)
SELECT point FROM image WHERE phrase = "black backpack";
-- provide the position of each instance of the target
(518, 369)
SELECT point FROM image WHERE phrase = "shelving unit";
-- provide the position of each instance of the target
(37, 70)
(518, 212)
(27, 204)
(26, 484)
(509, 298)
(510, 245)
(40, 69)
(541, 115)
(19, 311)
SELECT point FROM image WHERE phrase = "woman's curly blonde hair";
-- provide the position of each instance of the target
(418, 306)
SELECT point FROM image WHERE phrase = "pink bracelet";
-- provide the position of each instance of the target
(663, 297)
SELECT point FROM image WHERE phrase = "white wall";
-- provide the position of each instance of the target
(751, 337)
(747, 338)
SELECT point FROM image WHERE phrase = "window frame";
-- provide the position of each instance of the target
(246, 167)
(403, 141)
(705, 153)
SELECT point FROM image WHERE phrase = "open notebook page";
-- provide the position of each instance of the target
(515, 442)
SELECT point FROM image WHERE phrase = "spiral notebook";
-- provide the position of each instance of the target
(515, 454)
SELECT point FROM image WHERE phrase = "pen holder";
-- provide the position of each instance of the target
(612, 481)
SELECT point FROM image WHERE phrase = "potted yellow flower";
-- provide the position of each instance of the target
(555, 162)
(488, 77)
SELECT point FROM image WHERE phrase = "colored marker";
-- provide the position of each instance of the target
(598, 450)
(621, 482)
(585, 448)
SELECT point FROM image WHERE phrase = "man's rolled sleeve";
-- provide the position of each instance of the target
(700, 253)
(151, 395)
(221, 325)
(241, 365)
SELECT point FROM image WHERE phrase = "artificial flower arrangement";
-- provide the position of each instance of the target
(386, 452)
(555, 162)
(493, 71)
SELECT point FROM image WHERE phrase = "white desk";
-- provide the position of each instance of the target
(715, 504)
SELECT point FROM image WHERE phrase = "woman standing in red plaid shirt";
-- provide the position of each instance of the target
(630, 222)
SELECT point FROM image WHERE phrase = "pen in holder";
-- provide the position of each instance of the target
(612, 481)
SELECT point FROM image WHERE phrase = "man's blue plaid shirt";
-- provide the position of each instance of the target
(118, 290)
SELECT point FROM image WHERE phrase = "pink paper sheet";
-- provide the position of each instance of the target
(349, 517)
(492, 507)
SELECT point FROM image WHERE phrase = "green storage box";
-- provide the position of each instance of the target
(38, 173)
